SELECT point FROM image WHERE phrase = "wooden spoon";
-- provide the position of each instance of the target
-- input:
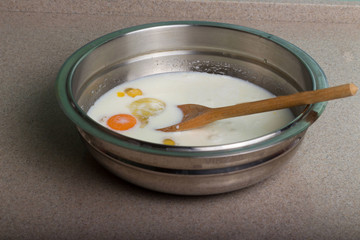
(195, 116)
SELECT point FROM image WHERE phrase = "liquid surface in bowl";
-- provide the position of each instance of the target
(137, 108)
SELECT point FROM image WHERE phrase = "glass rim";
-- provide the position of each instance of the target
(78, 117)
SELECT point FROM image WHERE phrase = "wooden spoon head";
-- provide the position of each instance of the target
(192, 118)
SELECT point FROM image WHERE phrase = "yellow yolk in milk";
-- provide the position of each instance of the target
(153, 100)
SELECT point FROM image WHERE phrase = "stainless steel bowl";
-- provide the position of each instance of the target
(218, 48)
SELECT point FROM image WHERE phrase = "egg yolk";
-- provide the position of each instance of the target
(145, 108)
(121, 122)
(120, 94)
(168, 141)
(133, 92)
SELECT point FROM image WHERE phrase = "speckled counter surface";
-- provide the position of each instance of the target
(50, 188)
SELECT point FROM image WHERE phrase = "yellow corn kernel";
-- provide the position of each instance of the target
(133, 92)
(120, 94)
(168, 141)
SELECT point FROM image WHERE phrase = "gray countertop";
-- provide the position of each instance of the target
(51, 188)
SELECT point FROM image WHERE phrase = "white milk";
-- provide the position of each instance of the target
(190, 87)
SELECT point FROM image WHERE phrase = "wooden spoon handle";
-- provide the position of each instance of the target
(281, 102)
